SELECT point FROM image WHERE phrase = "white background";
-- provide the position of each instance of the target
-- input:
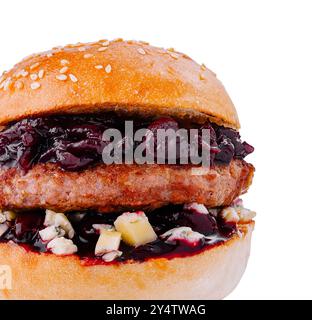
(262, 52)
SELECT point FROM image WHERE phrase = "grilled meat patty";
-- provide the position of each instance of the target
(122, 187)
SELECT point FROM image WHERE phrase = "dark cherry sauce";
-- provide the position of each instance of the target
(75, 142)
(25, 231)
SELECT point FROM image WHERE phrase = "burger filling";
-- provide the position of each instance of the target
(119, 188)
(76, 142)
(172, 231)
(119, 212)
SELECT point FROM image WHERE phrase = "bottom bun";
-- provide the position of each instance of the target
(211, 274)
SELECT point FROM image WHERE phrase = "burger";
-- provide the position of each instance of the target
(73, 226)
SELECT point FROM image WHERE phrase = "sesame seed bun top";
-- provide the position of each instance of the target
(126, 76)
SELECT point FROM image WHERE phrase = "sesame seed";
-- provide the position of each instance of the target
(81, 49)
(171, 50)
(78, 44)
(64, 62)
(73, 78)
(201, 77)
(99, 67)
(33, 77)
(61, 77)
(64, 70)
(174, 55)
(141, 51)
(31, 56)
(16, 75)
(35, 85)
(88, 55)
(58, 48)
(7, 84)
(41, 74)
(19, 85)
(118, 40)
(28, 57)
(104, 43)
(24, 73)
(108, 68)
(203, 67)
(102, 49)
(34, 66)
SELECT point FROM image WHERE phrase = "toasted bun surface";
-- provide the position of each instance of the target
(121, 75)
(212, 274)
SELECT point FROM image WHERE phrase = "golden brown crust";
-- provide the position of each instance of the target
(126, 75)
(211, 274)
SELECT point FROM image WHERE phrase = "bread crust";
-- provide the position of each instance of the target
(212, 274)
(126, 76)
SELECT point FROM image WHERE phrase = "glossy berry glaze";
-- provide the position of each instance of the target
(25, 231)
(75, 142)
